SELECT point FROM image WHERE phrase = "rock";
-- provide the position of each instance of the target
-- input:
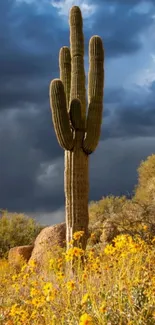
(48, 238)
(109, 232)
(19, 254)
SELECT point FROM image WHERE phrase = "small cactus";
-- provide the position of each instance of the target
(78, 132)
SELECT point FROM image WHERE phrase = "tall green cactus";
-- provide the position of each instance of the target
(77, 132)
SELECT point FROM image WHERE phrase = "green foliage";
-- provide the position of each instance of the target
(16, 230)
(145, 189)
(101, 210)
(108, 208)
(127, 216)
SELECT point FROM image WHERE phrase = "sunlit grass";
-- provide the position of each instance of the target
(114, 285)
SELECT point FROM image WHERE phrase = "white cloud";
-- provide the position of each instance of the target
(64, 6)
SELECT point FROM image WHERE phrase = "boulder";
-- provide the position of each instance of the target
(47, 241)
(19, 254)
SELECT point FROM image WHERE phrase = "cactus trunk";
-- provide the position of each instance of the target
(76, 181)
(77, 133)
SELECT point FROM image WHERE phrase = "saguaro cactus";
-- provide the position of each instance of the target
(77, 131)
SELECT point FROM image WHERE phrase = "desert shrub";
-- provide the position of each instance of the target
(108, 208)
(16, 230)
(128, 216)
(101, 210)
(136, 219)
(145, 189)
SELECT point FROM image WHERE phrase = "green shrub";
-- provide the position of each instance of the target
(106, 207)
(145, 189)
(16, 230)
(127, 215)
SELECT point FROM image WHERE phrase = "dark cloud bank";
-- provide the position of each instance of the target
(31, 162)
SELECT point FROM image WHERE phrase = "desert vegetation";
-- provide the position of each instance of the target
(114, 283)
(16, 229)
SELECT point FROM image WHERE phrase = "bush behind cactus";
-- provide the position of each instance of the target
(16, 230)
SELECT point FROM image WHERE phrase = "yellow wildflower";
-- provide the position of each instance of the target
(145, 227)
(84, 275)
(38, 301)
(85, 298)
(103, 307)
(16, 286)
(34, 314)
(34, 292)
(23, 268)
(70, 285)
(71, 242)
(47, 287)
(51, 264)
(86, 319)
(32, 263)
(60, 276)
(91, 255)
(14, 310)
(74, 251)
(109, 249)
(77, 251)
(78, 234)
(25, 276)
(92, 236)
(14, 277)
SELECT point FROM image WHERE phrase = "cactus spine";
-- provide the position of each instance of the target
(77, 132)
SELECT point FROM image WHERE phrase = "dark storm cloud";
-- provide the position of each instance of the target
(113, 167)
(121, 27)
(113, 95)
(17, 93)
(28, 54)
(25, 141)
(28, 60)
(129, 116)
(30, 43)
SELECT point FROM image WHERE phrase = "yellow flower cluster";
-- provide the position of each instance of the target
(73, 252)
(115, 284)
(86, 319)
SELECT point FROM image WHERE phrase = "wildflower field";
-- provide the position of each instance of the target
(107, 284)
(113, 285)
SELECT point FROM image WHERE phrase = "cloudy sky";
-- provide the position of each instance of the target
(31, 161)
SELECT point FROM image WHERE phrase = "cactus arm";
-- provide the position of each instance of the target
(65, 71)
(95, 94)
(75, 115)
(60, 115)
(77, 58)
